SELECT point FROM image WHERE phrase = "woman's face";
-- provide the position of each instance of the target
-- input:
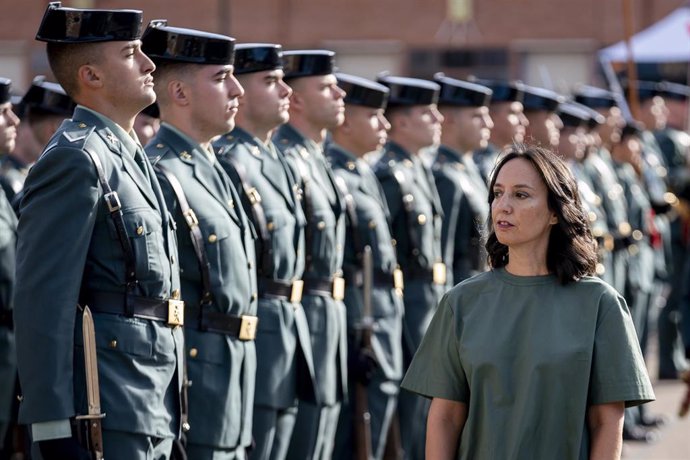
(519, 212)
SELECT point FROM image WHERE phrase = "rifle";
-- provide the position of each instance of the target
(362, 415)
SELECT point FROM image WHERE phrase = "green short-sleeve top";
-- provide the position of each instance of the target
(528, 355)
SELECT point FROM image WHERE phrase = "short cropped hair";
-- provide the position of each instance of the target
(571, 252)
(66, 59)
(167, 71)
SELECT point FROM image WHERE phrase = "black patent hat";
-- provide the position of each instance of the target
(77, 25)
(573, 114)
(462, 93)
(47, 97)
(675, 91)
(409, 91)
(257, 57)
(308, 63)
(595, 98)
(5, 84)
(174, 44)
(631, 128)
(540, 99)
(645, 89)
(503, 91)
(360, 91)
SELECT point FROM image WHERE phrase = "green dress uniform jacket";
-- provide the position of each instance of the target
(68, 249)
(285, 369)
(416, 215)
(372, 229)
(221, 367)
(466, 209)
(325, 240)
(8, 360)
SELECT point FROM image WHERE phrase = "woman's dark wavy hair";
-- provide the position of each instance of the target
(571, 253)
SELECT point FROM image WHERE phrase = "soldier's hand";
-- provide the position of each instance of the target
(363, 365)
(63, 449)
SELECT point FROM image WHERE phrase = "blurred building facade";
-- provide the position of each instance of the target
(543, 42)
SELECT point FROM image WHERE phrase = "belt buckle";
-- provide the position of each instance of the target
(296, 293)
(248, 327)
(190, 217)
(175, 312)
(439, 273)
(113, 201)
(338, 288)
(398, 282)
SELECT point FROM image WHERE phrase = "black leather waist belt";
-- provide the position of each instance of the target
(325, 287)
(170, 311)
(6, 319)
(436, 275)
(241, 327)
(381, 279)
(280, 289)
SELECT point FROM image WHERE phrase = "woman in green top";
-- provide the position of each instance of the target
(535, 359)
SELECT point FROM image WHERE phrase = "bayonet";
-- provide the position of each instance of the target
(92, 420)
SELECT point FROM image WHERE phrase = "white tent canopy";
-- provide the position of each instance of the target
(665, 41)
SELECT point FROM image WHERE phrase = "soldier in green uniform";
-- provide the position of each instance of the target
(599, 167)
(573, 148)
(285, 370)
(46, 105)
(316, 105)
(460, 184)
(540, 106)
(8, 239)
(377, 367)
(416, 215)
(509, 122)
(674, 143)
(95, 230)
(197, 95)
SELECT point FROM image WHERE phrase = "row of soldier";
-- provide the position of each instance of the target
(259, 223)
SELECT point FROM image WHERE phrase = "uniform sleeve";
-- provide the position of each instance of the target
(618, 369)
(436, 370)
(58, 213)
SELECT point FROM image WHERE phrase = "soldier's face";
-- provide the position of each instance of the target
(421, 125)
(214, 94)
(266, 99)
(572, 142)
(677, 113)
(320, 100)
(125, 73)
(366, 127)
(474, 127)
(545, 128)
(146, 127)
(8, 128)
(510, 123)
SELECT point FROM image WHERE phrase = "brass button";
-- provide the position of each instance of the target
(637, 235)
(231, 204)
(624, 228)
(140, 230)
(254, 296)
(350, 165)
(321, 225)
(270, 226)
(372, 224)
(394, 242)
(193, 352)
(592, 216)
(159, 146)
(82, 125)
(212, 238)
(600, 269)
(597, 232)
(421, 219)
(175, 294)
(250, 265)
(113, 344)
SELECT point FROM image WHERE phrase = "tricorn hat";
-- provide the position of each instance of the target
(308, 63)
(78, 25)
(257, 57)
(47, 97)
(409, 91)
(360, 91)
(163, 43)
(461, 93)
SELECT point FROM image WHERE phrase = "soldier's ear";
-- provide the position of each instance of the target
(89, 76)
(296, 101)
(177, 91)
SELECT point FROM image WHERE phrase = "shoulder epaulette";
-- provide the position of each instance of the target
(78, 136)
